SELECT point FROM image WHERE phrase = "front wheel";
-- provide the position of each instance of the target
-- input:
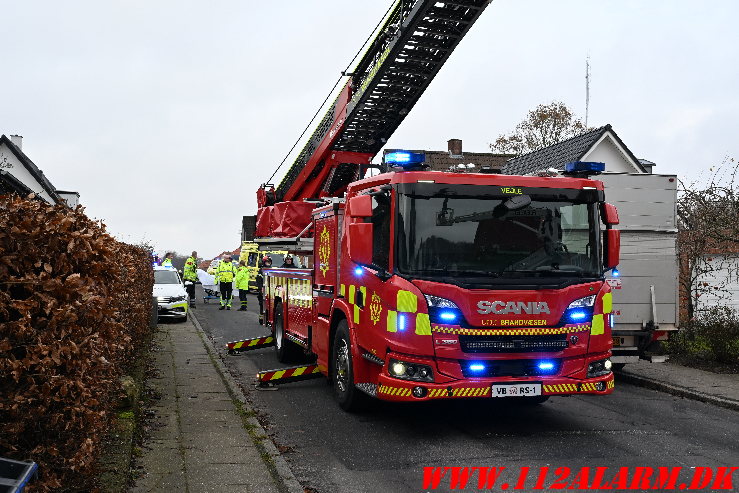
(285, 350)
(348, 396)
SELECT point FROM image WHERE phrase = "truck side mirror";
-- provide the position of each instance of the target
(360, 206)
(609, 213)
(360, 243)
(612, 248)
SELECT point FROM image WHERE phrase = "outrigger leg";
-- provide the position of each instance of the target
(234, 347)
(270, 378)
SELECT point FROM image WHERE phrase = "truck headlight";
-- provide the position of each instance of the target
(579, 311)
(410, 371)
(443, 311)
(599, 368)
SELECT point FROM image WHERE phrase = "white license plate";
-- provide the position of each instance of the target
(516, 389)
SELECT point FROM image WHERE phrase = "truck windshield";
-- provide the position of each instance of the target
(493, 238)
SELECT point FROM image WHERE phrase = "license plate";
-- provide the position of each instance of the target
(516, 389)
(617, 341)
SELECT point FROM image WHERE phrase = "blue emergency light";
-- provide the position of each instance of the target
(615, 272)
(584, 167)
(578, 315)
(404, 159)
(546, 366)
(476, 367)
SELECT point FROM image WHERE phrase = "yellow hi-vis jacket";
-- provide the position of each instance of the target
(190, 273)
(225, 271)
(242, 278)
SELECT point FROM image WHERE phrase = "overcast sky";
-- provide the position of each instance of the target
(167, 115)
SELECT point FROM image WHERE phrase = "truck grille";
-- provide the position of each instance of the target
(510, 368)
(513, 344)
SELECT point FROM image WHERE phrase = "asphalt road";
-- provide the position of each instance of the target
(386, 448)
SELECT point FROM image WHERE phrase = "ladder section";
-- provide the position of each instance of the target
(405, 55)
(400, 68)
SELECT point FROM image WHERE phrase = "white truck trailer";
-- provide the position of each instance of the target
(645, 292)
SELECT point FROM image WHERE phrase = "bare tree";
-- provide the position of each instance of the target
(545, 125)
(708, 238)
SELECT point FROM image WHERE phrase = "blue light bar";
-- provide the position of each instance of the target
(476, 367)
(578, 314)
(358, 271)
(404, 158)
(545, 365)
(448, 316)
(584, 167)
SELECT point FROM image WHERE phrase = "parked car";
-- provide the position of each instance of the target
(170, 293)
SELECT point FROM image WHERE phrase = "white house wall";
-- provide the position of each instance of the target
(608, 151)
(723, 282)
(9, 163)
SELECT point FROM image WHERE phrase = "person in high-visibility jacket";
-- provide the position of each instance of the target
(225, 273)
(190, 276)
(242, 284)
(167, 262)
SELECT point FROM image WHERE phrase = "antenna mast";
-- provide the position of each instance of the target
(587, 89)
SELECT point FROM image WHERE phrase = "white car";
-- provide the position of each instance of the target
(170, 293)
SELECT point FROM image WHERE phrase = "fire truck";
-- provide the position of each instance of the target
(425, 285)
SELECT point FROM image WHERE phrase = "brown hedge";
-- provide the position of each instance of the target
(74, 306)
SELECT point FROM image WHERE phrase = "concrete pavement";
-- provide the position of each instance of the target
(203, 437)
(715, 388)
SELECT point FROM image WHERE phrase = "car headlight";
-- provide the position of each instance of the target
(443, 311)
(410, 371)
(160, 298)
(579, 311)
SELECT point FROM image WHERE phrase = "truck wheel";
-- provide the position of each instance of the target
(285, 350)
(349, 397)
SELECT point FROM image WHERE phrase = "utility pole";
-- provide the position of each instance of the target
(587, 89)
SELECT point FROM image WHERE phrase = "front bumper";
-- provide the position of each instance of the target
(174, 310)
(393, 389)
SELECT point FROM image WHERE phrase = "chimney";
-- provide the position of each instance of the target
(455, 147)
(17, 140)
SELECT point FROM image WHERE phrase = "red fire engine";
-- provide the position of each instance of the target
(418, 284)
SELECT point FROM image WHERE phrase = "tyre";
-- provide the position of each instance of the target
(349, 397)
(285, 350)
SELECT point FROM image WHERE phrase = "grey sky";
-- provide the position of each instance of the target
(167, 115)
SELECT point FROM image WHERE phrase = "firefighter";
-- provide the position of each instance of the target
(190, 276)
(242, 284)
(225, 273)
(266, 264)
(288, 262)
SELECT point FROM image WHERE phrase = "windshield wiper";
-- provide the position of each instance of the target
(547, 271)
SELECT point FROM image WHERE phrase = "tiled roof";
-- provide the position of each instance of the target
(557, 155)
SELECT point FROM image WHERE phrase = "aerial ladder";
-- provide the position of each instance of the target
(409, 48)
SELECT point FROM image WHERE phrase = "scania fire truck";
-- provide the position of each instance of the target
(424, 285)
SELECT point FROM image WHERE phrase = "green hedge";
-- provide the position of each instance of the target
(712, 336)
